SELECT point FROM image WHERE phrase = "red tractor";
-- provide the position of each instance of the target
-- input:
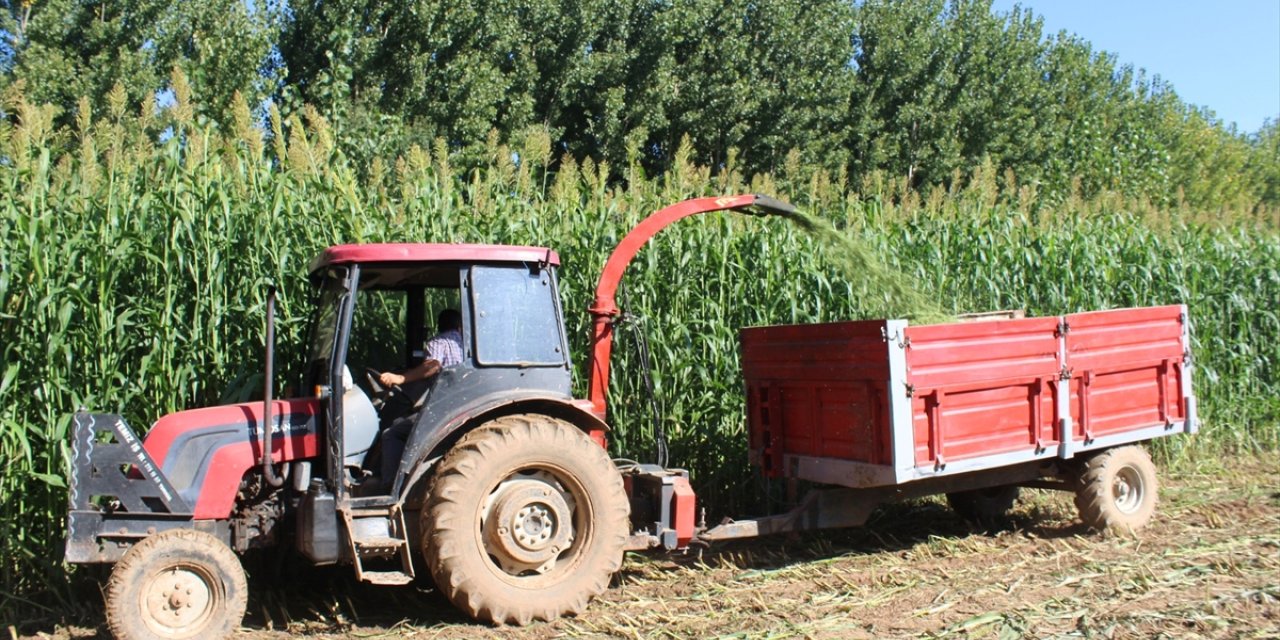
(504, 485)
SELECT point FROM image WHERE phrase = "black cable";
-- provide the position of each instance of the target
(659, 431)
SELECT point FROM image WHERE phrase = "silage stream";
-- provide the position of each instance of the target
(866, 272)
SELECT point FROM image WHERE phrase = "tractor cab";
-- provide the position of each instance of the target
(375, 311)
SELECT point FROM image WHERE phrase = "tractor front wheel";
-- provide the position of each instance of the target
(174, 585)
(526, 519)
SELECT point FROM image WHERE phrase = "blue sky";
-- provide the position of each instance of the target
(1222, 54)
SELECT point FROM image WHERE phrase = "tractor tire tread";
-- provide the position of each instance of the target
(121, 604)
(446, 525)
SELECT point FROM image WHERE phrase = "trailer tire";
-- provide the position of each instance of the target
(207, 598)
(1117, 490)
(525, 519)
(987, 508)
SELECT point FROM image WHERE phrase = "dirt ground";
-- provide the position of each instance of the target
(1208, 566)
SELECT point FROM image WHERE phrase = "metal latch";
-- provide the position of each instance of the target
(903, 342)
(542, 263)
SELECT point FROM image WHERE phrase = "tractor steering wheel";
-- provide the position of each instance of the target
(412, 398)
(381, 393)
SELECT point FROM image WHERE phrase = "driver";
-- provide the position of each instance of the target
(443, 349)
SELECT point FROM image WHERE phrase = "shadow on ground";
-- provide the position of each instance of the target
(892, 528)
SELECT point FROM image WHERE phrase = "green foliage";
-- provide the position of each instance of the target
(133, 273)
(944, 86)
(759, 77)
(63, 50)
(922, 91)
(1265, 160)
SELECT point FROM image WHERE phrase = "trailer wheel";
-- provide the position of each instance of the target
(1117, 490)
(176, 584)
(984, 507)
(526, 519)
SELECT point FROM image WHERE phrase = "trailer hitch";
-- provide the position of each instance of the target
(820, 509)
(663, 507)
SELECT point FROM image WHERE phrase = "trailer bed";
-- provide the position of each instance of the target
(880, 402)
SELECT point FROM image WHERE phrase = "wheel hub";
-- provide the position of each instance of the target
(533, 526)
(527, 522)
(177, 599)
(1127, 490)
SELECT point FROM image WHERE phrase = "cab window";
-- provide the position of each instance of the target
(516, 318)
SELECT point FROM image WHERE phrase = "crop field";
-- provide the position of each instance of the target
(133, 275)
(1207, 567)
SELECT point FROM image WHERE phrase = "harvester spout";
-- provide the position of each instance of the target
(605, 307)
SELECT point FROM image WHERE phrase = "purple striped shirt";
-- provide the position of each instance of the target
(446, 347)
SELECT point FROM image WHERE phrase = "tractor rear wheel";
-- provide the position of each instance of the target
(1116, 490)
(526, 519)
(174, 585)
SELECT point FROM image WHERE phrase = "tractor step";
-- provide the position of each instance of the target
(378, 543)
(393, 578)
(380, 537)
(379, 546)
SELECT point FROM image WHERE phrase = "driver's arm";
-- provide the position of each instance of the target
(426, 369)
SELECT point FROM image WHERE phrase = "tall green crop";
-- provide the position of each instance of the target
(135, 253)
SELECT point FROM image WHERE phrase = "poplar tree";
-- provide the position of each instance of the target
(63, 50)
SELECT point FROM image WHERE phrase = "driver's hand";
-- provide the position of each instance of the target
(391, 379)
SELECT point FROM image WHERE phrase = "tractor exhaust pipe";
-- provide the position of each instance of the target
(268, 469)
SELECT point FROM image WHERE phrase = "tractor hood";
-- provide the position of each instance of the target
(204, 453)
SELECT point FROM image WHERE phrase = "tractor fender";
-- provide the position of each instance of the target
(425, 450)
(204, 453)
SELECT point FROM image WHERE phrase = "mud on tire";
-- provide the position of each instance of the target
(174, 585)
(1116, 491)
(526, 520)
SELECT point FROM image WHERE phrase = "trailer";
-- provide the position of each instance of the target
(974, 409)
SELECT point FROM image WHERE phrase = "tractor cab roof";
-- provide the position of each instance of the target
(392, 265)
(431, 252)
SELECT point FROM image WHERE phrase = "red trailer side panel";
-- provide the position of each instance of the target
(817, 391)
(982, 388)
(1127, 369)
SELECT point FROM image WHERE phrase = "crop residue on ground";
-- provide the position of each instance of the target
(1208, 566)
